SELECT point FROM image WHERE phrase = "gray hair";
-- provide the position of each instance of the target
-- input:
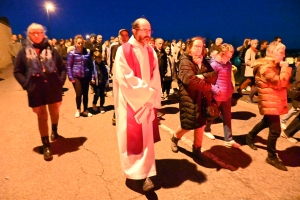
(35, 26)
(273, 47)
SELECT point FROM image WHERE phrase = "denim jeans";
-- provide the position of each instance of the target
(225, 108)
(273, 122)
(287, 116)
(293, 127)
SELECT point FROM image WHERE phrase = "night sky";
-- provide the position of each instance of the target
(170, 19)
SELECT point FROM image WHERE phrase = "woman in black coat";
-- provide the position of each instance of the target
(40, 71)
(194, 80)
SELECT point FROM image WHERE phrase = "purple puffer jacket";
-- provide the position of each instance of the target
(223, 85)
(79, 65)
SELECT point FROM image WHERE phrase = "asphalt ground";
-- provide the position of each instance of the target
(86, 162)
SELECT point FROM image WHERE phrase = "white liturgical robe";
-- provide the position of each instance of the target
(142, 95)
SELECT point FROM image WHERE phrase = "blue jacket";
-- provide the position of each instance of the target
(79, 65)
(223, 82)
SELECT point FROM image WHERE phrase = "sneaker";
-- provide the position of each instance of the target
(77, 113)
(291, 139)
(232, 143)
(248, 88)
(283, 126)
(209, 135)
(276, 163)
(102, 110)
(87, 114)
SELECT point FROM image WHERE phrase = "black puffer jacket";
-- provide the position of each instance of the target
(191, 89)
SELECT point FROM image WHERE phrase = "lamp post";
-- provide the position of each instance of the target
(49, 7)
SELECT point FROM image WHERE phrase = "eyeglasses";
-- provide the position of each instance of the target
(197, 46)
(36, 33)
(79, 43)
(144, 30)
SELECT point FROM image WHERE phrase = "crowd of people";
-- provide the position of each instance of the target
(142, 70)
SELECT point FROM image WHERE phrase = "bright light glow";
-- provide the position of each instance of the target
(49, 6)
(87, 36)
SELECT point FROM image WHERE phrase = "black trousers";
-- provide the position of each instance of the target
(293, 127)
(99, 92)
(81, 87)
(273, 123)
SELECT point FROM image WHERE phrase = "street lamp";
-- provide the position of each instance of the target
(49, 7)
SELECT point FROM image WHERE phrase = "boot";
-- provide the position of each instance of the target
(276, 163)
(197, 152)
(250, 142)
(148, 185)
(54, 134)
(46, 149)
(174, 144)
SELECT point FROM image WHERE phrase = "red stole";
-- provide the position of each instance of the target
(135, 130)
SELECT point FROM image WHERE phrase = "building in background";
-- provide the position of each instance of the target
(5, 35)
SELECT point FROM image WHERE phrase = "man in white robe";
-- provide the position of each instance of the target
(136, 97)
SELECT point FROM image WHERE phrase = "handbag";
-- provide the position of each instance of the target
(209, 108)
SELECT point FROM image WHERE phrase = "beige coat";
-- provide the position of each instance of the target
(249, 61)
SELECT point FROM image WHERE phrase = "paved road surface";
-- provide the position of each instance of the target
(86, 160)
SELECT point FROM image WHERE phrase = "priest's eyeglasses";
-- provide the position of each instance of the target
(145, 30)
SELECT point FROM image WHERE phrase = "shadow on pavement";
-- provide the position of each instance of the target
(136, 185)
(228, 158)
(63, 145)
(290, 156)
(171, 173)
(2, 79)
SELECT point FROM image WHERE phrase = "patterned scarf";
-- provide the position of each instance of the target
(42, 63)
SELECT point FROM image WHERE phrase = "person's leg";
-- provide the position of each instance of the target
(287, 116)
(225, 108)
(102, 99)
(293, 127)
(85, 93)
(78, 91)
(255, 130)
(198, 137)
(102, 96)
(176, 137)
(42, 115)
(252, 93)
(274, 133)
(163, 88)
(96, 97)
(54, 115)
(168, 87)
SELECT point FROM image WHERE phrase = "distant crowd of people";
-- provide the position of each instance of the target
(142, 70)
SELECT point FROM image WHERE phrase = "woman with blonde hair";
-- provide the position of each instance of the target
(80, 70)
(194, 80)
(222, 92)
